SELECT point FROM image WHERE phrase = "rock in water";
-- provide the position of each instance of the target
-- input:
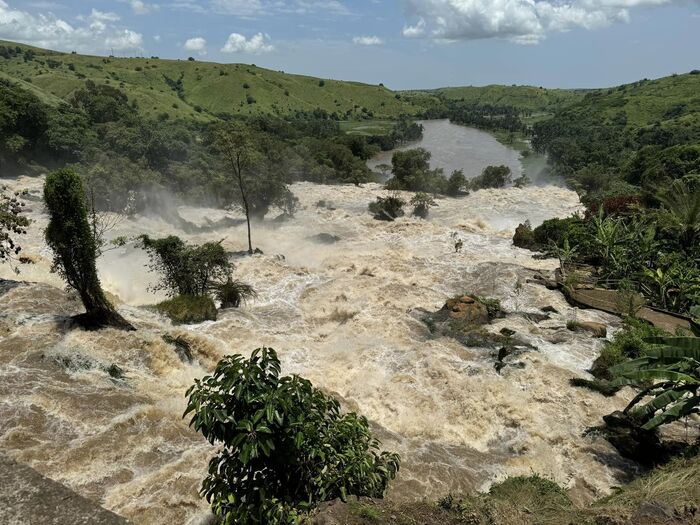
(467, 309)
(324, 238)
(597, 329)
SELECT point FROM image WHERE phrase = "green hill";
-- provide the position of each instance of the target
(645, 102)
(192, 89)
(529, 98)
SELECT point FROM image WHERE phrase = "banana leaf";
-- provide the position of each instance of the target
(651, 374)
(679, 410)
(661, 401)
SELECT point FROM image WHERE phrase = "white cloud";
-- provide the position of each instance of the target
(142, 8)
(255, 45)
(257, 8)
(368, 40)
(97, 31)
(198, 45)
(522, 21)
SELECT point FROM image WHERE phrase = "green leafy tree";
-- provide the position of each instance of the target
(493, 177)
(422, 202)
(185, 269)
(286, 446)
(456, 183)
(70, 236)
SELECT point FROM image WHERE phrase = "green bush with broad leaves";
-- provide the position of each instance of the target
(286, 446)
(671, 373)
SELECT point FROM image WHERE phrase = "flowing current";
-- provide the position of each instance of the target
(347, 316)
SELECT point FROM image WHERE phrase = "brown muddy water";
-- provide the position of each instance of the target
(346, 316)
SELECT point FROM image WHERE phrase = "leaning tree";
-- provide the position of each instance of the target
(75, 249)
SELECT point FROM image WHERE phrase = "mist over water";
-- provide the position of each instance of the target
(347, 316)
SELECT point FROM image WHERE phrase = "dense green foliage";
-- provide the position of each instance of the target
(629, 140)
(411, 170)
(286, 445)
(71, 237)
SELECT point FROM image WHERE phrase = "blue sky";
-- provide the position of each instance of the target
(404, 44)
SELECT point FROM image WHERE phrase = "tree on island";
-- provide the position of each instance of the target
(253, 164)
(70, 236)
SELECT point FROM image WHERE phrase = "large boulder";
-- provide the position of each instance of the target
(468, 310)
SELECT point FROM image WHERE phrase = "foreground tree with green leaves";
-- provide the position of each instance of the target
(286, 445)
(70, 236)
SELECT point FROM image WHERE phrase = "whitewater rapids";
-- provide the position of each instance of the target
(344, 315)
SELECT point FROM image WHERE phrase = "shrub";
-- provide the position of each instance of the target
(524, 237)
(456, 183)
(232, 293)
(422, 202)
(286, 445)
(185, 269)
(387, 208)
(188, 309)
(492, 177)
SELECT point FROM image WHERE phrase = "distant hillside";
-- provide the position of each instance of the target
(645, 102)
(191, 89)
(529, 98)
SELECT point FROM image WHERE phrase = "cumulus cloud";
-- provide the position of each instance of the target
(197, 45)
(97, 31)
(255, 45)
(522, 21)
(368, 40)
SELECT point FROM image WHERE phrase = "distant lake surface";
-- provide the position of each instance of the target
(456, 147)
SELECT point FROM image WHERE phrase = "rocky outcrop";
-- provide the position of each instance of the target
(468, 310)
(28, 498)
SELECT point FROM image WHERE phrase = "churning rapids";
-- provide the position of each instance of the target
(346, 316)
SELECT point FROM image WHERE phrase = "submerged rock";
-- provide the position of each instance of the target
(182, 347)
(597, 329)
(324, 238)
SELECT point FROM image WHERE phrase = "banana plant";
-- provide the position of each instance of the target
(671, 373)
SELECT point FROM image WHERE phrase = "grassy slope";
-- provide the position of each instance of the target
(648, 101)
(530, 98)
(218, 88)
(536, 501)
